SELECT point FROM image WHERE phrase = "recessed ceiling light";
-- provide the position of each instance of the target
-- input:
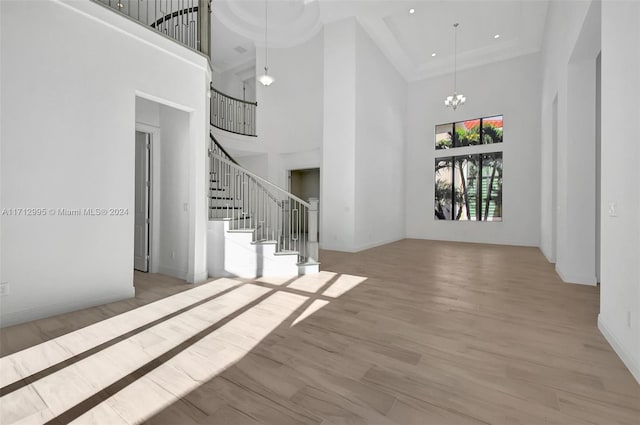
(433, 54)
(496, 36)
(412, 11)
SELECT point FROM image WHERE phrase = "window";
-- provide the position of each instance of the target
(480, 131)
(469, 187)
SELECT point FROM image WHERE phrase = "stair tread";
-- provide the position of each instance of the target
(287, 253)
(265, 242)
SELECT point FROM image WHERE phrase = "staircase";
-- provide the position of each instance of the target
(255, 227)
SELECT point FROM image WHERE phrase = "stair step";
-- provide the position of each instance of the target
(287, 253)
(227, 219)
(241, 231)
(231, 207)
(266, 242)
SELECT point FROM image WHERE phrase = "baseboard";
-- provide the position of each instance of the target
(575, 279)
(41, 312)
(549, 258)
(198, 277)
(217, 273)
(358, 248)
(627, 358)
(180, 274)
(376, 244)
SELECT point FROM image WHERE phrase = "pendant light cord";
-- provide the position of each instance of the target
(455, 56)
(266, 39)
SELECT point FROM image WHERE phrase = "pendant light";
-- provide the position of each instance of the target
(266, 79)
(456, 99)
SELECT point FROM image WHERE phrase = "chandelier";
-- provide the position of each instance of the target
(456, 99)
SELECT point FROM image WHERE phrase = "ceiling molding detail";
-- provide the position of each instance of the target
(407, 40)
(291, 23)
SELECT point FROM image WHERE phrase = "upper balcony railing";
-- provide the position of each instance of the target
(231, 114)
(186, 22)
(180, 20)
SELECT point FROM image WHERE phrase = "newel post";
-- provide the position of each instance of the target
(313, 229)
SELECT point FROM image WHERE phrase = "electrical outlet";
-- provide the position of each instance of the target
(628, 318)
(173, 255)
(4, 289)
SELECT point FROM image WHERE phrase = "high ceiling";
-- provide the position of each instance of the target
(408, 40)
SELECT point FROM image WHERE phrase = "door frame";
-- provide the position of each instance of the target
(154, 193)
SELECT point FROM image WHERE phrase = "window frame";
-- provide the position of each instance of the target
(477, 154)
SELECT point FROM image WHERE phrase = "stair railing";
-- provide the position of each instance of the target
(180, 20)
(217, 149)
(252, 203)
(231, 114)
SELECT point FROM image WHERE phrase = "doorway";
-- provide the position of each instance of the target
(142, 198)
(305, 184)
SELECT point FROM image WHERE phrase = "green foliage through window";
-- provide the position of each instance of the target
(480, 131)
(469, 187)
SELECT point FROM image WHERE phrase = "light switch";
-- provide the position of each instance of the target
(613, 209)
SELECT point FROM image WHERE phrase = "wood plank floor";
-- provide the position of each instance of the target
(438, 333)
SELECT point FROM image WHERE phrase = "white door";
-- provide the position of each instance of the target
(141, 239)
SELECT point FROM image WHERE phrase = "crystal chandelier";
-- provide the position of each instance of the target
(456, 99)
(266, 79)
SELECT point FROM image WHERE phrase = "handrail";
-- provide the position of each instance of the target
(219, 146)
(226, 155)
(250, 203)
(233, 98)
(193, 9)
(232, 114)
(230, 158)
(265, 182)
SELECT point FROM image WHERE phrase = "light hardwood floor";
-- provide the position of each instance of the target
(438, 333)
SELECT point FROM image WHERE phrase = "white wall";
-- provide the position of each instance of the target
(1, 120)
(289, 114)
(511, 88)
(381, 102)
(362, 175)
(564, 24)
(337, 174)
(68, 128)
(570, 50)
(619, 317)
(257, 164)
(290, 111)
(230, 84)
(174, 182)
(574, 34)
